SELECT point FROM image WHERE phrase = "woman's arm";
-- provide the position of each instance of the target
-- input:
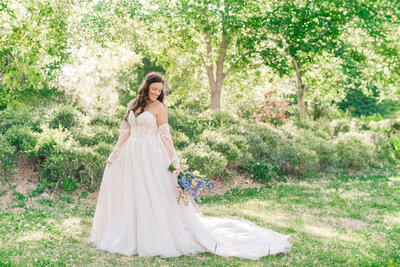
(165, 135)
(123, 136)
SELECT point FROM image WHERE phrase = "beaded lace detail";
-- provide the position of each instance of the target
(165, 135)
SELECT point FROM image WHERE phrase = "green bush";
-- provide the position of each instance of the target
(90, 166)
(79, 165)
(395, 141)
(326, 154)
(103, 148)
(263, 140)
(191, 126)
(64, 116)
(22, 138)
(181, 140)
(296, 158)
(353, 150)
(340, 126)
(69, 184)
(7, 154)
(383, 151)
(357, 125)
(200, 157)
(105, 119)
(221, 143)
(48, 138)
(387, 126)
(93, 135)
(264, 171)
(27, 116)
(220, 118)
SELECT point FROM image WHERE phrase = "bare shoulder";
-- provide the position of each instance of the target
(161, 108)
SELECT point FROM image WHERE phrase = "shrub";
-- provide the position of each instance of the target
(93, 135)
(64, 116)
(326, 154)
(27, 116)
(90, 166)
(388, 126)
(66, 166)
(263, 140)
(200, 157)
(220, 118)
(270, 110)
(7, 154)
(181, 140)
(395, 141)
(103, 148)
(70, 184)
(383, 151)
(264, 171)
(221, 143)
(357, 125)
(296, 158)
(192, 127)
(353, 151)
(48, 138)
(22, 138)
(340, 126)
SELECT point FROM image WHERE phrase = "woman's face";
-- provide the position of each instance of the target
(155, 90)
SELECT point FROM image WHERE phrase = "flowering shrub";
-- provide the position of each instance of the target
(270, 110)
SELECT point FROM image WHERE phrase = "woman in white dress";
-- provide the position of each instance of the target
(137, 212)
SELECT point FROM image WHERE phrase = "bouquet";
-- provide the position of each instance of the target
(190, 184)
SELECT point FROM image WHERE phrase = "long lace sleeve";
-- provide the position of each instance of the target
(125, 131)
(166, 138)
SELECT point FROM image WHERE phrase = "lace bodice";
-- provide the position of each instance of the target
(144, 127)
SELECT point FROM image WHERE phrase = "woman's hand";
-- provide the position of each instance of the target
(177, 171)
(113, 155)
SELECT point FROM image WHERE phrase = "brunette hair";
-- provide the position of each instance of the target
(143, 93)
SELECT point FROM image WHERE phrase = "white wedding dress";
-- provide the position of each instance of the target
(137, 211)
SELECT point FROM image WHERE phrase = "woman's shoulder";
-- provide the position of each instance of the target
(161, 107)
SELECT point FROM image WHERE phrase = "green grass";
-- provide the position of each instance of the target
(346, 219)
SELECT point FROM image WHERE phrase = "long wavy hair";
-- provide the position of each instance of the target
(143, 93)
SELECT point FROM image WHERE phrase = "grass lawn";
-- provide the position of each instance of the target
(343, 219)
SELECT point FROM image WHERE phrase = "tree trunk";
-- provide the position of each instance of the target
(216, 78)
(300, 90)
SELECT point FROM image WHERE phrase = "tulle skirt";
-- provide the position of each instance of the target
(137, 213)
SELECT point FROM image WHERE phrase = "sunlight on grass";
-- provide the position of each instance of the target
(71, 227)
(33, 236)
(353, 194)
(266, 211)
(328, 232)
(392, 218)
(394, 179)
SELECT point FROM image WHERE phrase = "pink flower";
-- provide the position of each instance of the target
(280, 116)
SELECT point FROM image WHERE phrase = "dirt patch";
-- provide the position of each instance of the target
(23, 178)
(222, 185)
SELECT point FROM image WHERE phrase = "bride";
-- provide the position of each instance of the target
(137, 212)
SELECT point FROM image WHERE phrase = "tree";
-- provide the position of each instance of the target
(208, 32)
(33, 46)
(294, 33)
